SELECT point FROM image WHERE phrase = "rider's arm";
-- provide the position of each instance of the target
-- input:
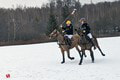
(86, 28)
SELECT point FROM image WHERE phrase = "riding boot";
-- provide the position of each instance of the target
(65, 38)
(67, 41)
(92, 41)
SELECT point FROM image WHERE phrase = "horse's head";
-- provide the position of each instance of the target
(54, 34)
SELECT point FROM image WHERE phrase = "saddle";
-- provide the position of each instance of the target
(85, 39)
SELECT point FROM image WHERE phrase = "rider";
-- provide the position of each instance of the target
(86, 30)
(68, 30)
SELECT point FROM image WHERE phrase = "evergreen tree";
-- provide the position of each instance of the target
(52, 22)
(65, 12)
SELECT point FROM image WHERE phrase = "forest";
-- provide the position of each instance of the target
(24, 25)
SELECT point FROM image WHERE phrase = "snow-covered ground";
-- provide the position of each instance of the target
(42, 62)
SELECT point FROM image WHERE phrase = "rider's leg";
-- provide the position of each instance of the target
(91, 39)
(70, 36)
(67, 40)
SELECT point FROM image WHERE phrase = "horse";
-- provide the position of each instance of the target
(86, 45)
(63, 47)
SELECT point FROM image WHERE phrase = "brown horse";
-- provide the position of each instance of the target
(61, 41)
(86, 45)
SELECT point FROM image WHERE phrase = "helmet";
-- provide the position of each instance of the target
(83, 19)
(68, 22)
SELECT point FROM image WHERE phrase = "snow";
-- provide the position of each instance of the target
(42, 62)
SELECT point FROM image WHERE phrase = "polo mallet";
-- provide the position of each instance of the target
(73, 12)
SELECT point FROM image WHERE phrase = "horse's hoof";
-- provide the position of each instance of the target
(62, 62)
(85, 55)
(103, 54)
(92, 61)
(95, 48)
(80, 63)
(72, 58)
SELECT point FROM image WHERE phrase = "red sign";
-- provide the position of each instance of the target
(7, 75)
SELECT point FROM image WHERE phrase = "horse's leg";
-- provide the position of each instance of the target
(78, 51)
(68, 54)
(101, 51)
(83, 52)
(63, 56)
(92, 55)
(97, 45)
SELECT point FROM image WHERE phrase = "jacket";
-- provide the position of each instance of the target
(68, 29)
(85, 27)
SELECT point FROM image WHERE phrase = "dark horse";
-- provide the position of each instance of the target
(86, 45)
(64, 47)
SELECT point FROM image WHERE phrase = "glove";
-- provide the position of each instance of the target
(63, 31)
(84, 31)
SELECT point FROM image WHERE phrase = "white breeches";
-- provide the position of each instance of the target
(89, 35)
(69, 36)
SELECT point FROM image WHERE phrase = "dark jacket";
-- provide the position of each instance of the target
(85, 27)
(68, 29)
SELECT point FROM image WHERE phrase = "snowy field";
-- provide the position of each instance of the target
(42, 62)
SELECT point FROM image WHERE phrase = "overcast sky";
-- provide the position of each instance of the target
(38, 3)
